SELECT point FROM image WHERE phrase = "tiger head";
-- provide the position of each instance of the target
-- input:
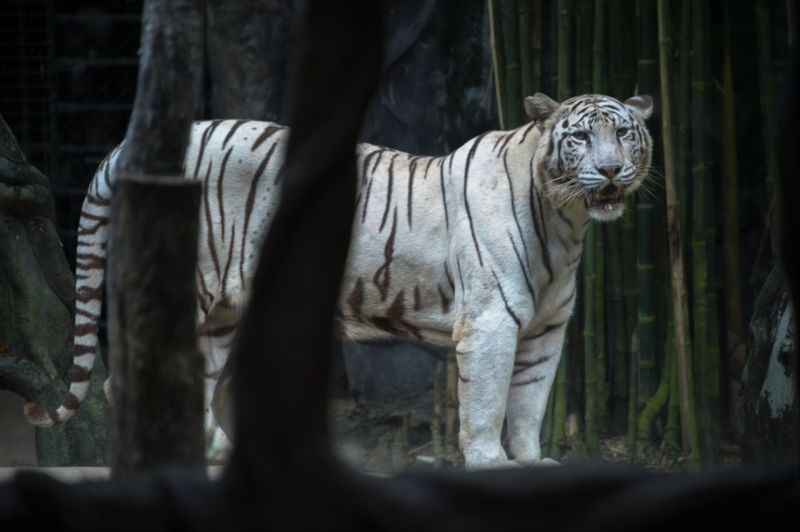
(594, 150)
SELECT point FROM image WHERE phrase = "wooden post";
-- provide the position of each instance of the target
(157, 371)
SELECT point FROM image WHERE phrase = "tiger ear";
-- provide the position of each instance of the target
(539, 107)
(641, 105)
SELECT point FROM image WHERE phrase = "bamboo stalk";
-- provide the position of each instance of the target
(672, 433)
(511, 50)
(589, 262)
(621, 238)
(645, 300)
(560, 405)
(525, 47)
(583, 31)
(633, 396)
(591, 347)
(766, 78)
(399, 444)
(547, 425)
(679, 295)
(790, 34)
(621, 48)
(599, 86)
(701, 205)
(564, 37)
(683, 134)
(564, 49)
(436, 421)
(536, 44)
(498, 62)
(655, 404)
(599, 73)
(734, 320)
(451, 405)
(615, 328)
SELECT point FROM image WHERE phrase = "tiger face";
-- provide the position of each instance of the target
(596, 150)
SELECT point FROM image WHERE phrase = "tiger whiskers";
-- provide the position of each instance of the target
(563, 190)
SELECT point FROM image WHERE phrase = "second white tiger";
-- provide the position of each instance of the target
(477, 249)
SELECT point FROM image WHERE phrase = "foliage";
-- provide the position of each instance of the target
(631, 378)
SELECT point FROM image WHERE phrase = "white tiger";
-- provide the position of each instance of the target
(477, 250)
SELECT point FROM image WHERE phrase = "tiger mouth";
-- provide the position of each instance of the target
(606, 198)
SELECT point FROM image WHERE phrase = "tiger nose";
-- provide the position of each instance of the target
(609, 171)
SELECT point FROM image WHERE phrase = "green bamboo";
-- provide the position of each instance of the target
(615, 315)
(766, 77)
(672, 432)
(683, 349)
(623, 59)
(655, 404)
(645, 302)
(621, 47)
(712, 362)
(511, 51)
(583, 32)
(536, 44)
(564, 59)
(525, 47)
(701, 208)
(731, 271)
(683, 135)
(790, 37)
(622, 238)
(633, 388)
(546, 437)
(498, 60)
(599, 73)
(558, 439)
(617, 326)
(564, 37)
(583, 81)
(600, 86)
(591, 346)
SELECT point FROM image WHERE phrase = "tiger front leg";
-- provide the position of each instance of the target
(534, 371)
(485, 355)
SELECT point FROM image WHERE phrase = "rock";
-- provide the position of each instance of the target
(769, 406)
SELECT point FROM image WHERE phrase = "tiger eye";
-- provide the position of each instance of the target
(580, 135)
(621, 132)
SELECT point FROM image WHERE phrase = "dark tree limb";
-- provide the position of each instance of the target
(284, 341)
(157, 370)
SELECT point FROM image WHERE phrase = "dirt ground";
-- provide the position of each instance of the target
(373, 443)
(385, 445)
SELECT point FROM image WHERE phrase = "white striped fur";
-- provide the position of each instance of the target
(477, 250)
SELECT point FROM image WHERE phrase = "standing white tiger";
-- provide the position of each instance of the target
(477, 249)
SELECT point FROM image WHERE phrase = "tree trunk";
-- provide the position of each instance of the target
(36, 320)
(157, 371)
(247, 57)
